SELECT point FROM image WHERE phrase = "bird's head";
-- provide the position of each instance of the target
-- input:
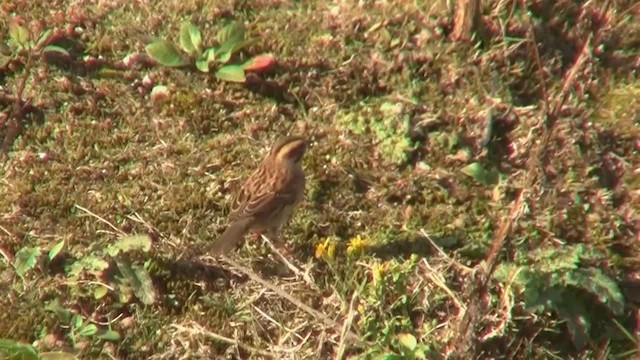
(289, 149)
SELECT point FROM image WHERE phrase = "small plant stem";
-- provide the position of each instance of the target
(14, 123)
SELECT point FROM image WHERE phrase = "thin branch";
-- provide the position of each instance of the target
(532, 44)
(5, 254)
(295, 270)
(463, 268)
(347, 324)
(14, 124)
(304, 307)
(570, 79)
(439, 281)
(212, 335)
(101, 219)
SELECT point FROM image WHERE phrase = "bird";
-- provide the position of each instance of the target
(268, 197)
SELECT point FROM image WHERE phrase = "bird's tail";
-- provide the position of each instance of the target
(230, 238)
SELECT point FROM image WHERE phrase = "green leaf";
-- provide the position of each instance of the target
(90, 263)
(144, 289)
(43, 38)
(62, 313)
(407, 341)
(185, 38)
(202, 64)
(76, 321)
(233, 73)
(561, 260)
(578, 324)
(225, 52)
(210, 54)
(57, 355)
(55, 249)
(109, 335)
(26, 259)
(140, 281)
(196, 38)
(55, 49)
(420, 353)
(390, 357)
(536, 298)
(18, 36)
(453, 140)
(232, 33)
(128, 243)
(223, 57)
(12, 349)
(88, 330)
(599, 285)
(482, 175)
(100, 292)
(190, 38)
(124, 293)
(165, 53)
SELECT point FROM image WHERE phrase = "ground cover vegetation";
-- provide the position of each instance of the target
(468, 197)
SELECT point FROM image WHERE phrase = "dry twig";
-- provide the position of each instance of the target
(304, 307)
(197, 330)
(305, 276)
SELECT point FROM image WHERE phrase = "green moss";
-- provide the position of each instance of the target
(618, 108)
(384, 123)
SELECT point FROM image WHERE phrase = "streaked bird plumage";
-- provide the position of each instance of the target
(268, 197)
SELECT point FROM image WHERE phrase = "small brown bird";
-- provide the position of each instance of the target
(267, 199)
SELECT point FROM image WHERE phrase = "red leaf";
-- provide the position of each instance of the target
(260, 62)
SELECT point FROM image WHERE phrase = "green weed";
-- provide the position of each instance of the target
(15, 350)
(229, 41)
(556, 280)
(21, 40)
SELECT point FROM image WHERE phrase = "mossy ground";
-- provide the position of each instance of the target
(394, 110)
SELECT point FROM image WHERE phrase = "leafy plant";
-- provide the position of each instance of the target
(409, 349)
(385, 302)
(26, 259)
(229, 41)
(555, 280)
(21, 39)
(25, 48)
(79, 326)
(484, 175)
(11, 349)
(133, 278)
(137, 280)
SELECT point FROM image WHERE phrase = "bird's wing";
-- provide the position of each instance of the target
(260, 198)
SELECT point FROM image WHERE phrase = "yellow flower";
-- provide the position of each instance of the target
(356, 245)
(321, 248)
(326, 249)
